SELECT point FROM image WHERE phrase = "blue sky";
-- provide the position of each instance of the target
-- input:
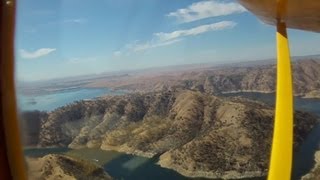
(63, 38)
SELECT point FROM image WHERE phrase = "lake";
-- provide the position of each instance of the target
(49, 102)
(118, 165)
(304, 104)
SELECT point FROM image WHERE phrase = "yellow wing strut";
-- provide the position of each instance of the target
(281, 154)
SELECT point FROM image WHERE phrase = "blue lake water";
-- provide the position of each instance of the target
(304, 104)
(118, 165)
(49, 102)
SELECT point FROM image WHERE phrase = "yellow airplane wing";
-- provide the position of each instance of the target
(297, 14)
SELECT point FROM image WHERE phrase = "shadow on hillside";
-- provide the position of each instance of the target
(139, 168)
(129, 167)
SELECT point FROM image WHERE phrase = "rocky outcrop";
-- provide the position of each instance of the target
(262, 78)
(195, 133)
(237, 148)
(306, 78)
(55, 167)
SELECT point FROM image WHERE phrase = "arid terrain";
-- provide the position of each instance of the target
(196, 134)
(55, 166)
(226, 79)
(178, 116)
(257, 76)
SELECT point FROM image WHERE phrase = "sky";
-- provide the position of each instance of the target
(62, 38)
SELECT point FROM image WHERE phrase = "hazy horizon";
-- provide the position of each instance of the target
(123, 71)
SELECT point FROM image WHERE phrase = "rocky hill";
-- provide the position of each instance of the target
(217, 80)
(195, 133)
(54, 167)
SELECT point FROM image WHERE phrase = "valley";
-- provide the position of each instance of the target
(183, 128)
(196, 121)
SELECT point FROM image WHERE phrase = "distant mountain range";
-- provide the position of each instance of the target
(257, 76)
(230, 79)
